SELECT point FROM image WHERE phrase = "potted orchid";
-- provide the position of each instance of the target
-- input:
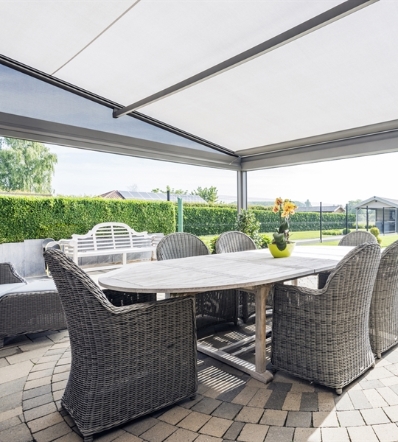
(281, 246)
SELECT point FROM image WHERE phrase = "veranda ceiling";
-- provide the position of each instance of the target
(326, 87)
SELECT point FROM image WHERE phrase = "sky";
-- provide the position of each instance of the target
(86, 173)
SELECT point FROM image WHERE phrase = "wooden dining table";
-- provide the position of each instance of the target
(254, 271)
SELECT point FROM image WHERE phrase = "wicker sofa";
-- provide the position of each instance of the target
(126, 361)
(27, 307)
(322, 335)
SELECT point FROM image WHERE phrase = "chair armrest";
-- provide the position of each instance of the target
(293, 295)
(8, 274)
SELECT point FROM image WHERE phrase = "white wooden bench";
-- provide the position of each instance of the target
(109, 239)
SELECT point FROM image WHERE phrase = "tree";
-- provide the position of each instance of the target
(26, 166)
(308, 203)
(209, 194)
(168, 188)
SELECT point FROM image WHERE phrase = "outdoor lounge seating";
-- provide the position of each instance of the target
(27, 307)
(126, 361)
(383, 318)
(234, 241)
(322, 335)
(221, 305)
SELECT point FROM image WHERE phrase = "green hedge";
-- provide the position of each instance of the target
(209, 220)
(213, 220)
(34, 217)
(48, 217)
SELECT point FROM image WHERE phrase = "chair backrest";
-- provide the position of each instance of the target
(84, 303)
(355, 274)
(180, 245)
(356, 238)
(234, 241)
(383, 322)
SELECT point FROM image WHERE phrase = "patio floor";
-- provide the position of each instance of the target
(229, 405)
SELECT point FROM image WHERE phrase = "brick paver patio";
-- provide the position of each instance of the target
(229, 405)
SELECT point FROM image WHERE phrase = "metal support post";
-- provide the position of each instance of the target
(242, 190)
(180, 215)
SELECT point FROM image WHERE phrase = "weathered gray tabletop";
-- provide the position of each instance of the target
(254, 270)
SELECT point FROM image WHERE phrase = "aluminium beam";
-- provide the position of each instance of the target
(292, 34)
(385, 126)
(372, 144)
(17, 126)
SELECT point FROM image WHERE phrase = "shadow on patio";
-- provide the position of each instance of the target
(230, 405)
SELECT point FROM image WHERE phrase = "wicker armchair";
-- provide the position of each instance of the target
(323, 335)
(27, 307)
(357, 237)
(234, 241)
(221, 305)
(231, 242)
(351, 239)
(383, 319)
(126, 361)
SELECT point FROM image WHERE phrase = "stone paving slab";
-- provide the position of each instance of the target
(240, 409)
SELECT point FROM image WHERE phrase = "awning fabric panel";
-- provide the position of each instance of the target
(339, 77)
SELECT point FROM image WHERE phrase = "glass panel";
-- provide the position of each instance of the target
(23, 95)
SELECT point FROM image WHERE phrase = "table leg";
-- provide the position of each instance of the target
(261, 295)
(258, 370)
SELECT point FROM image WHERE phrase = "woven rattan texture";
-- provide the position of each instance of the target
(356, 238)
(221, 305)
(383, 319)
(27, 311)
(234, 241)
(351, 239)
(8, 274)
(126, 361)
(121, 299)
(323, 335)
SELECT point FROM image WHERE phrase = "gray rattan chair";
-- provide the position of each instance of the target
(27, 307)
(357, 237)
(231, 242)
(220, 305)
(126, 361)
(383, 319)
(323, 335)
(351, 239)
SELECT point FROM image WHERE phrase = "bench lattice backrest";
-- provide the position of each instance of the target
(111, 236)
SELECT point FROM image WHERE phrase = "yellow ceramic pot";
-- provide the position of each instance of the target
(276, 253)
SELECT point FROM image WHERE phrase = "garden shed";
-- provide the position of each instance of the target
(386, 213)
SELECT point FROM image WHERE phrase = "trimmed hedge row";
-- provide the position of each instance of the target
(208, 220)
(214, 220)
(60, 217)
(36, 217)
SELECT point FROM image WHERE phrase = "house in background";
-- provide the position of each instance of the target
(386, 213)
(325, 209)
(151, 196)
